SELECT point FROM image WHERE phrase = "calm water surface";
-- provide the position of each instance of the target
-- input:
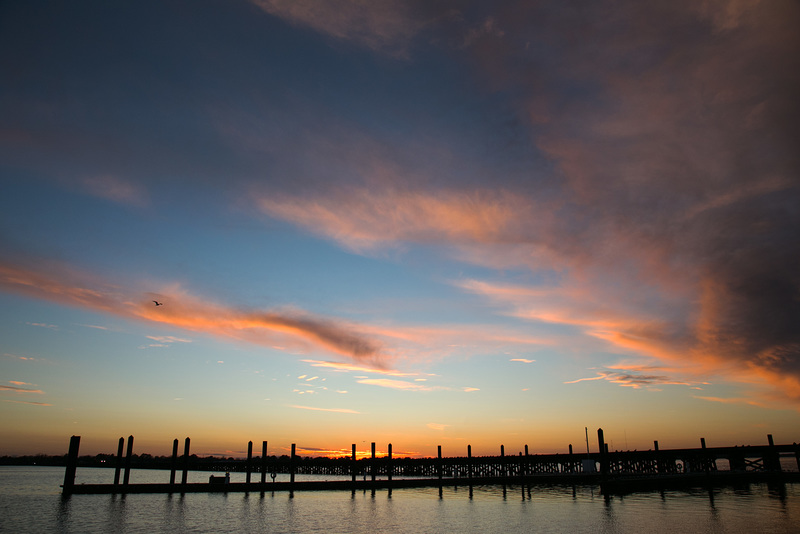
(30, 501)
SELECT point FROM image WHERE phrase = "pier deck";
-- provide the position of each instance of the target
(617, 471)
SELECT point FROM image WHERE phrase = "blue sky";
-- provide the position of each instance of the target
(425, 223)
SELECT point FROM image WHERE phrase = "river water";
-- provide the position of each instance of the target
(30, 501)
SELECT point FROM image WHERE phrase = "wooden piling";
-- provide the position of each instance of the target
(249, 464)
(174, 463)
(773, 460)
(127, 477)
(503, 472)
(439, 465)
(118, 466)
(659, 467)
(797, 454)
(524, 468)
(389, 465)
(263, 462)
(72, 464)
(469, 461)
(703, 458)
(353, 468)
(603, 452)
(292, 466)
(185, 475)
(372, 464)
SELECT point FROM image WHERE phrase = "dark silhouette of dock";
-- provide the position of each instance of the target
(614, 472)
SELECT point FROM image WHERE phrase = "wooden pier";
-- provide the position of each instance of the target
(616, 471)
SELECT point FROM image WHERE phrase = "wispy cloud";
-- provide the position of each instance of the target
(169, 339)
(44, 325)
(116, 189)
(521, 360)
(27, 402)
(632, 380)
(16, 389)
(316, 409)
(293, 328)
(385, 26)
(730, 400)
(349, 367)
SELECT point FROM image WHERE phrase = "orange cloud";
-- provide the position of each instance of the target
(292, 328)
(14, 389)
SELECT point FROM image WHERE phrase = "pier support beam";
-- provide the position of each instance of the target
(249, 465)
(174, 463)
(439, 465)
(72, 464)
(185, 475)
(773, 461)
(389, 465)
(372, 466)
(263, 462)
(292, 466)
(353, 468)
(127, 477)
(603, 453)
(469, 461)
(118, 466)
(503, 470)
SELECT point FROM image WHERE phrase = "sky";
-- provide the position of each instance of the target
(416, 222)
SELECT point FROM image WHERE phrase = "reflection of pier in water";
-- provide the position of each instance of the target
(614, 471)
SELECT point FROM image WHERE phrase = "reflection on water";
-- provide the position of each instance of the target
(30, 502)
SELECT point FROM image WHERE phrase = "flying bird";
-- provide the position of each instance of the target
(158, 303)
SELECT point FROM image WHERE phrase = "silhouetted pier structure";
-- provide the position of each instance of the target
(613, 471)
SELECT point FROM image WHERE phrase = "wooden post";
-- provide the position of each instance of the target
(263, 462)
(118, 467)
(292, 466)
(185, 475)
(797, 454)
(774, 463)
(353, 469)
(571, 461)
(469, 461)
(126, 478)
(603, 452)
(439, 465)
(249, 464)
(72, 464)
(503, 462)
(703, 459)
(174, 464)
(372, 464)
(389, 465)
(658, 457)
(524, 470)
